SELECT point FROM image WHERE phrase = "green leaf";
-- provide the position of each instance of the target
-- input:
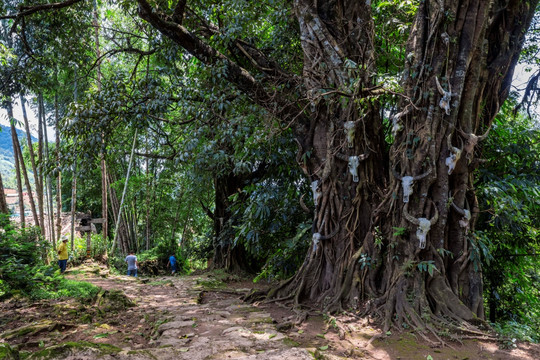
(323, 348)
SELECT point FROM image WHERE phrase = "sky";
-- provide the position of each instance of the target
(32, 119)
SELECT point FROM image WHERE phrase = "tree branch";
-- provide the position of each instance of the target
(274, 103)
(28, 10)
(178, 15)
(207, 211)
(172, 122)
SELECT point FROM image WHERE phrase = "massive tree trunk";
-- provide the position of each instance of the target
(347, 165)
(376, 248)
(463, 56)
(227, 254)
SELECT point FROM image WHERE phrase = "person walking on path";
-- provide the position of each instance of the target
(131, 260)
(63, 254)
(172, 264)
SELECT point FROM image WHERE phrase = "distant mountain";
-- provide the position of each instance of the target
(7, 159)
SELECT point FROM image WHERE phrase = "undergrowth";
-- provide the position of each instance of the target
(513, 331)
(24, 270)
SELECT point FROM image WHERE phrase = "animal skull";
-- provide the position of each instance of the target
(316, 191)
(452, 160)
(464, 222)
(349, 130)
(316, 239)
(353, 167)
(455, 155)
(446, 98)
(407, 183)
(424, 225)
(422, 231)
(472, 141)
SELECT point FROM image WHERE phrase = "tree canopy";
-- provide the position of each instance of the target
(348, 148)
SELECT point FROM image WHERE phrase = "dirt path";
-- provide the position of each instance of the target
(201, 317)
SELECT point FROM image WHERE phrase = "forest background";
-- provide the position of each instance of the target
(151, 137)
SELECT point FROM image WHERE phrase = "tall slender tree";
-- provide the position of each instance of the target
(17, 150)
(37, 176)
(16, 155)
(3, 203)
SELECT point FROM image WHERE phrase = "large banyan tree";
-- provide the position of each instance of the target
(392, 224)
(393, 221)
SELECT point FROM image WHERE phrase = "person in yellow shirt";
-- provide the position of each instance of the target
(63, 254)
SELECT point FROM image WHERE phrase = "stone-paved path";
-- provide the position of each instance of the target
(199, 325)
(198, 318)
(215, 329)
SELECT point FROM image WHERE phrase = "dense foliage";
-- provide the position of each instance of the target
(24, 272)
(215, 174)
(508, 230)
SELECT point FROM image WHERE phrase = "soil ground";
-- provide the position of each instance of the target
(203, 317)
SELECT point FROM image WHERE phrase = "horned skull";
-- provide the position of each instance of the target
(408, 181)
(318, 237)
(455, 155)
(406, 184)
(472, 141)
(444, 103)
(464, 222)
(424, 225)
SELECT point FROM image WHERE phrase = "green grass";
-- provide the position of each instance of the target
(67, 289)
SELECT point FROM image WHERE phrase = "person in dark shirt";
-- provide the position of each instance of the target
(172, 264)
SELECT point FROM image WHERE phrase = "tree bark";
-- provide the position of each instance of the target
(9, 107)
(227, 255)
(22, 166)
(459, 63)
(124, 193)
(103, 163)
(3, 203)
(43, 157)
(59, 175)
(73, 200)
(37, 176)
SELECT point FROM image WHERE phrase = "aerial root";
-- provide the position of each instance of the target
(253, 296)
(340, 326)
(418, 323)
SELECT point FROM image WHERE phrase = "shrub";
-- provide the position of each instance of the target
(23, 269)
